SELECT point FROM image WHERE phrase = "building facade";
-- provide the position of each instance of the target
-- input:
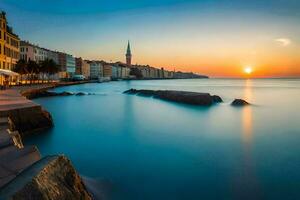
(86, 69)
(107, 70)
(79, 63)
(82, 67)
(53, 55)
(67, 65)
(35, 53)
(96, 69)
(9, 45)
(71, 65)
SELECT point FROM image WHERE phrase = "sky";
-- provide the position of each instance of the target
(218, 38)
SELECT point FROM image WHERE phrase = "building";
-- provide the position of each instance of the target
(82, 67)
(67, 65)
(9, 45)
(96, 69)
(79, 63)
(71, 65)
(125, 72)
(85, 70)
(168, 74)
(120, 71)
(35, 53)
(128, 55)
(107, 70)
(52, 55)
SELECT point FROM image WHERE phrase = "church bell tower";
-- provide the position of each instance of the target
(128, 55)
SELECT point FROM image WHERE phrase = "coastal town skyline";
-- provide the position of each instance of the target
(149, 99)
(257, 36)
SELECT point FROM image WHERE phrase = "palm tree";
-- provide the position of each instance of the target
(21, 68)
(33, 68)
(43, 68)
(49, 67)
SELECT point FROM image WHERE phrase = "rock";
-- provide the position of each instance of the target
(131, 91)
(80, 94)
(52, 177)
(194, 98)
(217, 99)
(64, 94)
(239, 102)
(34, 94)
(29, 119)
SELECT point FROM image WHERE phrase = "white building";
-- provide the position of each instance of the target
(96, 69)
(35, 53)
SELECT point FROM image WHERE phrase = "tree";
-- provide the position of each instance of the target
(49, 67)
(21, 68)
(136, 72)
(33, 69)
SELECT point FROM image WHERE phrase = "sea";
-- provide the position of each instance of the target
(140, 148)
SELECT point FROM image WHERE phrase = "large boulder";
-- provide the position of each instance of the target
(239, 102)
(195, 98)
(52, 177)
(29, 119)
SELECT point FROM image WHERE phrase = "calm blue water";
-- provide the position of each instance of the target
(144, 148)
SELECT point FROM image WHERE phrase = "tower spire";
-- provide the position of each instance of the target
(128, 54)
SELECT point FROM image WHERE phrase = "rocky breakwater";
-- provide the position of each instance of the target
(52, 177)
(194, 98)
(40, 93)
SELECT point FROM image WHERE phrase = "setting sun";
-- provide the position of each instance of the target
(248, 70)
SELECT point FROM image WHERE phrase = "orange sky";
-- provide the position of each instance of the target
(215, 38)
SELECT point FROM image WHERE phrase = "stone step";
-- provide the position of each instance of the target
(20, 157)
(3, 127)
(4, 135)
(3, 121)
(7, 149)
(6, 142)
(15, 161)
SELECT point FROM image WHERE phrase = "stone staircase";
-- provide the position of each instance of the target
(14, 157)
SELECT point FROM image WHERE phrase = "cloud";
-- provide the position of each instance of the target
(283, 41)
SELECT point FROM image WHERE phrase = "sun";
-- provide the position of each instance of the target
(248, 70)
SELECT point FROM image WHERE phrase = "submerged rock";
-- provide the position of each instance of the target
(217, 99)
(239, 102)
(194, 98)
(63, 94)
(33, 94)
(52, 177)
(80, 94)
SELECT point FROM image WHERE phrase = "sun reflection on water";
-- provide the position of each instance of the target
(247, 115)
